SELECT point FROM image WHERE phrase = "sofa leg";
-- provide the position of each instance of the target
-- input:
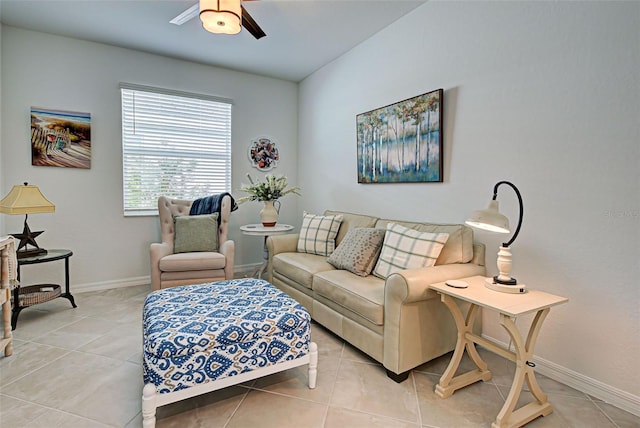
(398, 377)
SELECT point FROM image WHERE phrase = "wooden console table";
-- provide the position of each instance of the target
(509, 306)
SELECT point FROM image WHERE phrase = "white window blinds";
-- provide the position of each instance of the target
(174, 144)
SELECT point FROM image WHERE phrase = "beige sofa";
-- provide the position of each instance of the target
(398, 321)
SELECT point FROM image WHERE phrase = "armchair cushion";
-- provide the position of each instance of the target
(405, 248)
(196, 233)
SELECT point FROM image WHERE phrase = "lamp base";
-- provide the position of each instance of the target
(505, 288)
(508, 281)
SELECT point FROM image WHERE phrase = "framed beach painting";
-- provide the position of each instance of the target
(60, 138)
(401, 142)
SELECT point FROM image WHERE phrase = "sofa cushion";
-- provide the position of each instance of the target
(459, 246)
(195, 233)
(318, 234)
(300, 267)
(358, 251)
(351, 221)
(361, 295)
(405, 248)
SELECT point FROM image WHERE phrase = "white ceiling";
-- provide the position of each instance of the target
(302, 35)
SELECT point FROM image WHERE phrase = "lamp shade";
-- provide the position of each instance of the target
(489, 219)
(26, 199)
(221, 16)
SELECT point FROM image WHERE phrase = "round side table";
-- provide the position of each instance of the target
(259, 230)
(26, 296)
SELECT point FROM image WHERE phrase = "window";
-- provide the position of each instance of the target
(174, 144)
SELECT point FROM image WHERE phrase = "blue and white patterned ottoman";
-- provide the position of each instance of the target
(200, 338)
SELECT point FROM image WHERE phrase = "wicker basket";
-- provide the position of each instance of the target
(34, 294)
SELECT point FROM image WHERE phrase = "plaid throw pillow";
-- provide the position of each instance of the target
(318, 234)
(405, 248)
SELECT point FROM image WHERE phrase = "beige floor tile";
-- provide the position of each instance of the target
(329, 345)
(96, 387)
(100, 383)
(90, 304)
(568, 411)
(295, 382)
(352, 353)
(26, 358)
(474, 406)
(620, 417)
(34, 322)
(54, 418)
(342, 418)
(209, 410)
(122, 312)
(121, 342)
(267, 410)
(75, 334)
(366, 388)
(18, 413)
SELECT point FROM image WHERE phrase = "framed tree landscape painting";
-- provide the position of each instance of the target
(402, 142)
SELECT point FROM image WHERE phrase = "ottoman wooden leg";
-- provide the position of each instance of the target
(149, 406)
(313, 364)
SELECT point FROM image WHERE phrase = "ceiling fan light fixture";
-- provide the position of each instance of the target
(221, 16)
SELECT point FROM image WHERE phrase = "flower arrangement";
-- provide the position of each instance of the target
(271, 189)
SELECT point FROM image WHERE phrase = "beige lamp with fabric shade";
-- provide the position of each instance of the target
(26, 199)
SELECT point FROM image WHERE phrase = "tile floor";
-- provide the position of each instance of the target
(82, 368)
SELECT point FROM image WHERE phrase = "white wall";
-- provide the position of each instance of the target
(543, 94)
(56, 72)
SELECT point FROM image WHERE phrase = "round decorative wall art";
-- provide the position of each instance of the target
(263, 153)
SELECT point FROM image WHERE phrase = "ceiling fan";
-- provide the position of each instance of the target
(221, 16)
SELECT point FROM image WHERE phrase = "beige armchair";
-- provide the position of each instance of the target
(170, 270)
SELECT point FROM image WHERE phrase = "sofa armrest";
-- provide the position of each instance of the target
(417, 326)
(282, 244)
(156, 252)
(277, 244)
(412, 285)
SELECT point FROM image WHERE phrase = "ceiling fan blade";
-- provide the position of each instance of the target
(251, 25)
(185, 16)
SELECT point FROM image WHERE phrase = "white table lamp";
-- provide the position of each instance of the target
(490, 219)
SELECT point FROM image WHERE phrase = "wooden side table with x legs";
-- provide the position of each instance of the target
(509, 306)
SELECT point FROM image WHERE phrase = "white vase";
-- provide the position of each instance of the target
(269, 214)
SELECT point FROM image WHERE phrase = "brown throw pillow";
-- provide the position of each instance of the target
(358, 251)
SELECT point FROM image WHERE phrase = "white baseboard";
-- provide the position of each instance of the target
(108, 285)
(607, 393)
(239, 272)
